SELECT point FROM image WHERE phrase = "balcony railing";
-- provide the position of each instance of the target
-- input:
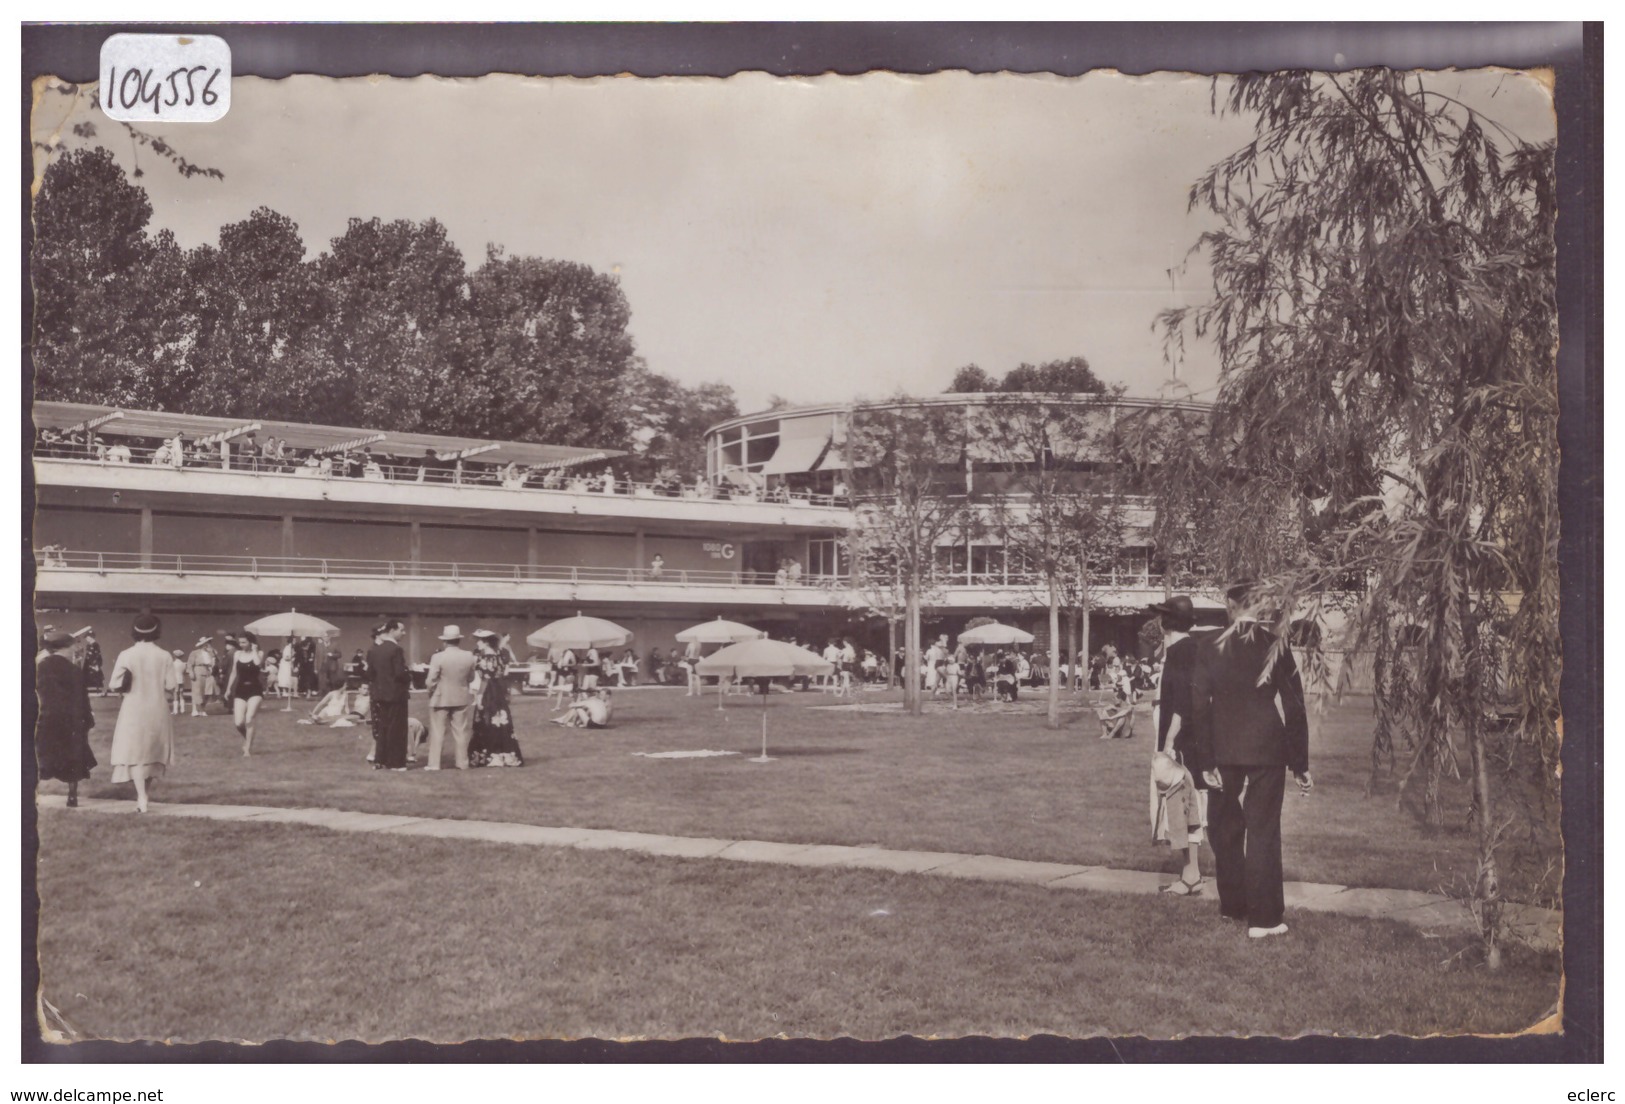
(553, 481)
(181, 565)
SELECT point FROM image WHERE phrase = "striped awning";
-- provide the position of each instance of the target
(161, 425)
(228, 434)
(355, 443)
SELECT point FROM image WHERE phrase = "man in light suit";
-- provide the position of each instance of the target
(451, 671)
(1251, 728)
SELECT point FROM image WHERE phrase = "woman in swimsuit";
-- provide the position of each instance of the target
(246, 687)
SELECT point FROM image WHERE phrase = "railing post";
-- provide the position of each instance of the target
(324, 569)
(682, 576)
(575, 574)
(101, 565)
(254, 567)
(454, 571)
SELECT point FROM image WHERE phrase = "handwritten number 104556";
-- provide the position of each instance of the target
(182, 86)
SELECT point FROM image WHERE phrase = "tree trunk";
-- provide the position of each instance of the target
(1487, 887)
(1071, 650)
(891, 649)
(1083, 632)
(1054, 720)
(912, 702)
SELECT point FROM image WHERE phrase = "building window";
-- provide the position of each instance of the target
(952, 564)
(826, 558)
(987, 563)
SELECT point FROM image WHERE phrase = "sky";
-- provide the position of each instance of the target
(817, 239)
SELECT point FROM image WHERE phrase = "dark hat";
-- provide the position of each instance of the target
(1178, 612)
(485, 634)
(146, 625)
(56, 638)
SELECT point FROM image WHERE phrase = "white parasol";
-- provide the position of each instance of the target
(763, 659)
(579, 632)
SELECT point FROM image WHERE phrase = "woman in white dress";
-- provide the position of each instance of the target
(144, 735)
(286, 681)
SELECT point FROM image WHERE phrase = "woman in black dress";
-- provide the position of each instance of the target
(94, 678)
(62, 737)
(493, 743)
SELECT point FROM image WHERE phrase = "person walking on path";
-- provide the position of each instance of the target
(245, 688)
(144, 734)
(62, 734)
(1251, 728)
(1177, 806)
(391, 683)
(200, 668)
(451, 672)
(93, 665)
(177, 693)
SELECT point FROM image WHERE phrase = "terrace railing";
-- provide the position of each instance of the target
(482, 477)
(184, 564)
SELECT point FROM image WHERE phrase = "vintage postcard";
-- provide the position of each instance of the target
(828, 557)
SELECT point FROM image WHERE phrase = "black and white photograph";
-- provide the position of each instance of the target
(864, 555)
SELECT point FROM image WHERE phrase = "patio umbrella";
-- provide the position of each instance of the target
(292, 623)
(763, 659)
(995, 633)
(579, 632)
(720, 632)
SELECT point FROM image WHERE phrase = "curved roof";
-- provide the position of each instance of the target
(955, 398)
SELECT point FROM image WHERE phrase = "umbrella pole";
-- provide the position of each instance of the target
(763, 758)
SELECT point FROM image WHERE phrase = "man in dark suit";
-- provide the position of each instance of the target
(1251, 728)
(391, 684)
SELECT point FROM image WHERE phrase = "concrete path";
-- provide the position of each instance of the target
(1538, 927)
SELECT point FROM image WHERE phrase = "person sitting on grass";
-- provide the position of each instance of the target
(348, 706)
(589, 711)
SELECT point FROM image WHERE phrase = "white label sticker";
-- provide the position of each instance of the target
(150, 78)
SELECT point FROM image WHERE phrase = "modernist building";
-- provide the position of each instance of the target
(222, 537)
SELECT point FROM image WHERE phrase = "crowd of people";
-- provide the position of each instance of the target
(1228, 713)
(274, 455)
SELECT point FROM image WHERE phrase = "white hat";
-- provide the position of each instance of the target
(451, 632)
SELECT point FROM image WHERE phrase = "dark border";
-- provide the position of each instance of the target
(1573, 50)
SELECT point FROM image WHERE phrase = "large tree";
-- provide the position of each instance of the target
(555, 360)
(1383, 268)
(668, 423)
(907, 464)
(1057, 510)
(396, 323)
(258, 322)
(1055, 377)
(101, 285)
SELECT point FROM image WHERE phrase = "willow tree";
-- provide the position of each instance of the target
(1383, 267)
(907, 467)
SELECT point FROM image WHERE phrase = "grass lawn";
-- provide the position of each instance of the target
(190, 930)
(985, 782)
